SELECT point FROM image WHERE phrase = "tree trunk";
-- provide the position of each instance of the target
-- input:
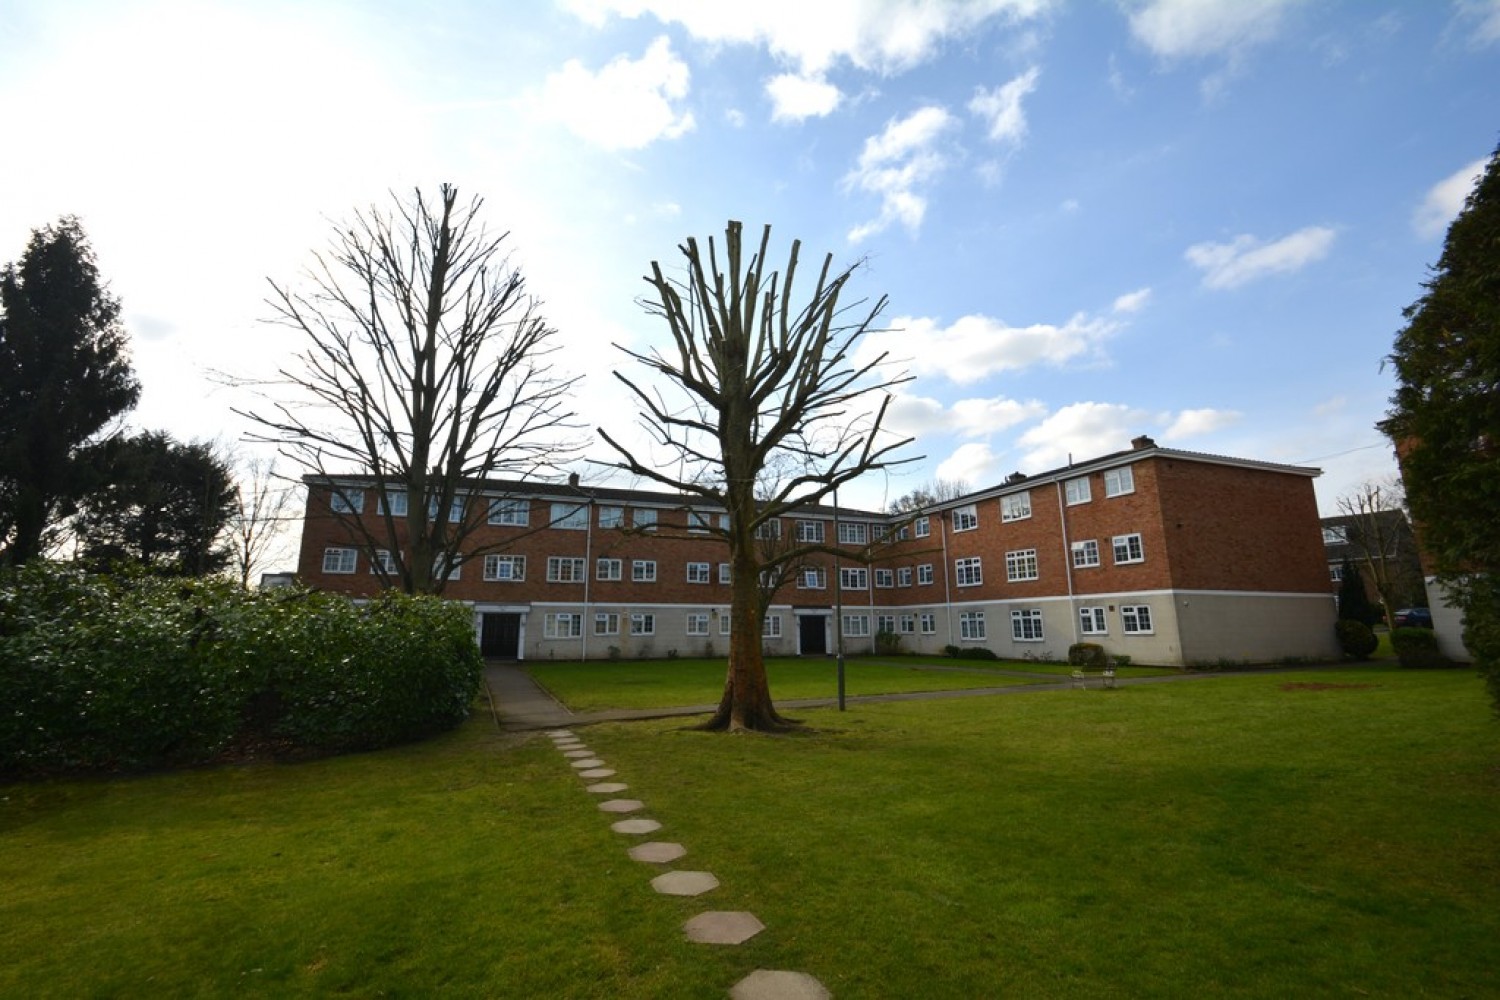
(746, 702)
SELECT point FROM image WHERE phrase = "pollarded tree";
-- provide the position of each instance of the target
(425, 369)
(757, 407)
(65, 374)
(1445, 417)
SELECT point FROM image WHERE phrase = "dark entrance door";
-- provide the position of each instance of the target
(500, 635)
(812, 634)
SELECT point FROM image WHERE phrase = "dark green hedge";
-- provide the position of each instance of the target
(1417, 648)
(1356, 639)
(101, 673)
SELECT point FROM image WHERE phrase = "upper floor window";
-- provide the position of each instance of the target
(885, 578)
(726, 575)
(854, 578)
(347, 501)
(383, 562)
(608, 569)
(455, 509)
(922, 527)
(1016, 507)
(643, 571)
(339, 560)
(574, 517)
(564, 569)
(509, 511)
(505, 568)
(699, 522)
(1118, 482)
(878, 532)
(1128, 549)
(1020, 565)
(812, 578)
(965, 518)
(393, 503)
(768, 529)
(810, 531)
(698, 572)
(924, 574)
(1085, 553)
(903, 576)
(1335, 536)
(968, 572)
(643, 517)
(1336, 572)
(852, 533)
(611, 517)
(1077, 490)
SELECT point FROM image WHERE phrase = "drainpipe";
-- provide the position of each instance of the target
(588, 577)
(947, 581)
(1062, 517)
(838, 600)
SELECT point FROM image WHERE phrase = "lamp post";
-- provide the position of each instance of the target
(838, 602)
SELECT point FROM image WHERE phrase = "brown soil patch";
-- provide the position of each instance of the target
(1313, 686)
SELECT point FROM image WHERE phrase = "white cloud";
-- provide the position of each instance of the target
(976, 347)
(919, 416)
(1193, 423)
(1481, 21)
(974, 462)
(896, 163)
(626, 105)
(1132, 301)
(1174, 29)
(1084, 430)
(1245, 258)
(795, 98)
(1446, 198)
(1001, 107)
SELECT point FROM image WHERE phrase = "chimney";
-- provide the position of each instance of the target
(573, 480)
(1015, 477)
(1141, 443)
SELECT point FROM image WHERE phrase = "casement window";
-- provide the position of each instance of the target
(724, 623)
(698, 572)
(924, 574)
(642, 623)
(726, 575)
(449, 566)
(1336, 536)
(562, 625)
(856, 626)
(971, 626)
(723, 522)
(572, 517)
(853, 533)
(697, 623)
(1336, 572)
(812, 578)
(699, 522)
(879, 532)
(770, 627)
(768, 529)
(1076, 491)
(383, 562)
(1026, 626)
(810, 531)
(885, 578)
(507, 569)
(903, 576)
(1135, 619)
(1020, 565)
(1128, 549)
(564, 569)
(922, 527)
(347, 501)
(1091, 621)
(1118, 482)
(965, 518)
(455, 509)
(1016, 507)
(510, 512)
(854, 578)
(609, 569)
(968, 572)
(339, 560)
(928, 622)
(606, 623)
(885, 623)
(611, 517)
(643, 517)
(1085, 553)
(392, 503)
(643, 571)
(908, 625)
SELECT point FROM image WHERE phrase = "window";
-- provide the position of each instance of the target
(1091, 621)
(611, 517)
(345, 501)
(642, 623)
(699, 522)
(1136, 619)
(339, 560)
(855, 533)
(724, 621)
(1128, 549)
(1085, 554)
(885, 623)
(1020, 565)
(1118, 482)
(643, 571)
(924, 574)
(810, 531)
(922, 527)
(928, 621)
(383, 562)
(606, 623)
(770, 628)
(697, 623)
(1336, 572)
(1016, 507)
(564, 569)
(448, 566)
(455, 509)
(515, 512)
(1026, 626)
(1076, 491)
(879, 532)
(965, 518)
(570, 516)
(908, 625)
(971, 626)
(608, 569)
(643, 517)
(854, 578)
(768, 529)
(968, 572)
(903, 576)
(1335, 536)
(885, 578)
(506, 568)
(726, 575)
(856, 626)
(812, 578)
(393, 503)
(562, 625)
(698, 572)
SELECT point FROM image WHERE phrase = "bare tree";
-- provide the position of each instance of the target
(934, 491)
(264, 504)
(1381, 541)
(426, 371)
(759, 384)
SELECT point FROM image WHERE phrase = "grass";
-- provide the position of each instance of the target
(1315, 832)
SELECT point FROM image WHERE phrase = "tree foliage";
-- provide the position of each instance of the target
(1354, 602)
(425, 367)
(65, 374)
(934, 491)
(1381, 542)
(1445, 417)
(757, 406)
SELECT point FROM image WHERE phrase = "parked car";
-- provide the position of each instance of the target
(1412, 618)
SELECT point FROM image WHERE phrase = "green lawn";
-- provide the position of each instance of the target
(1301, 833)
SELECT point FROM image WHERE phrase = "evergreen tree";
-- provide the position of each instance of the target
(1354, 601)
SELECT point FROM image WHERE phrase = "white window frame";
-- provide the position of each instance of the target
(770, 627)
(455, 509)
(612, 517)
(642, 623)
(395, 500)
(383, 560)
(1086, 553)
(726, 573)
(338, 559)
(346, 501)
(885, 623)
(511, 512)
(853, 533)
(569, 517)
(643, 517)
(812, 578)
(1135, 619)
(903, 576)
(699, 522)
(854, 578)
(696, 623)
(768, 529)
(1021, 565)
(1026, 626)
(1119, 482)
(1336, 535)
(725, 621)
(810, 531)
(927, 622)
(440, 562)
(924, 575)
(907, 625)
(699, 572)
(562, 625)
(1092, 621)
(606, 623)
(971, 627)
(965, 518)
(856, 626)
(566, 569)
(1135, 550)
(1015, 507)
(643, 571)
(1336, 572)
(921, 527)
(885, 579)
(1077, 491)
(492, 564)
(968, 572)
(609, 569)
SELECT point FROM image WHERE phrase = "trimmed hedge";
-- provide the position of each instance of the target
(1417, 648)
(1356, 639)
(1088, 654)
(106, 673)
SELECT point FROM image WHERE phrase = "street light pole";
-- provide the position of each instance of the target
(838, 601)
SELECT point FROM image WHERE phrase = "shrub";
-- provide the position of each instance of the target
(887, 643)
(977, 653)
(1121, 660)
(1356, 638)
(1088, 654)
(951, 651)
(1417, 648)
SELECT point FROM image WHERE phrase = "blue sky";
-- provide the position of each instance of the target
(1194, 220)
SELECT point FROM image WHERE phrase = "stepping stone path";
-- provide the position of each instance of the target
(726, 927)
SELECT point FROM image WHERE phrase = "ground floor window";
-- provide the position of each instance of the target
(606, 623)
(971, 625)
(1091, 621)
(928, 622)
(908, 624)
(856, 626)
(562, 625)
(771, 627)
(642, 624)
(1136, 618)
(697, 622)
(1026, 626)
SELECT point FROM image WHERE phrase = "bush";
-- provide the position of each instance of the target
(1088, 654)
(887, 643)
(1417, 648)
(951, 651)
(1355, 638)
(977, 653)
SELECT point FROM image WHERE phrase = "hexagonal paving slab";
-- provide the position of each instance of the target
(622, 806)
(636, 826)
(598, 772)
(588, 762)
(764, 984)
(657, 852)
(684, 883)
(608, 787)
(723, 927)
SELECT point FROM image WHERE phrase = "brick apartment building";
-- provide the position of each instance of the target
(1167, 556)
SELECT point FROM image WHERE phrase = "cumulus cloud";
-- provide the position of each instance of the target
(796, 98)
(1480, 21)
(1178, 29)
(1245, 258)
(1192, 423)
(919, 416)
(1084, 430)
(973, 462)
(1132, 301)
(976, 347)
(896, 164)
(1001, 107)
(628, 104)
(1446, 198)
